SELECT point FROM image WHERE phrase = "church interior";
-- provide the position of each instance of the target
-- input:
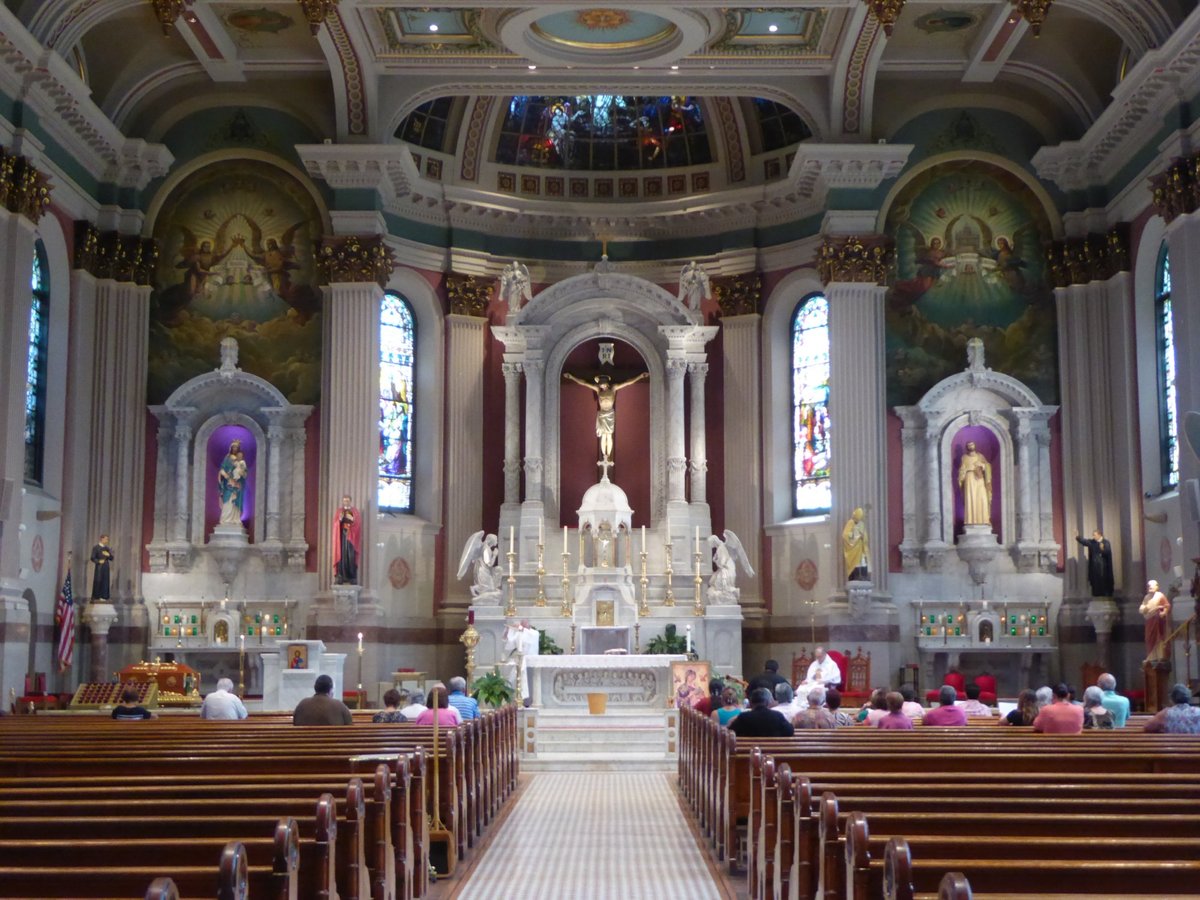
(343, 336)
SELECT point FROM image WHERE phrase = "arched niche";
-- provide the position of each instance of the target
(185, 476)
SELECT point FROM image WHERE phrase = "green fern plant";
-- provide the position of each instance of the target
(667, 642)
(493, 690)
(546, 645)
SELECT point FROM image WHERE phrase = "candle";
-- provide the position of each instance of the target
(566, 548)
(512, 539)
(360, 642)
(643, 538)
(541, 533)
(689, 639)
(697, 538)
(243, 639)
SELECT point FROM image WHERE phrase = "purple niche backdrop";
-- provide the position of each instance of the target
(218, 446)
(989, 445)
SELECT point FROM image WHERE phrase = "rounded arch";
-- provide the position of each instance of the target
(776, 381)
(810, 405)
(428, 388)
(1023, 175)
(1152, 241)
(200, 471)
(58, 270)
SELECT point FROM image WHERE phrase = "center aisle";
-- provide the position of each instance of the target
(594, 835)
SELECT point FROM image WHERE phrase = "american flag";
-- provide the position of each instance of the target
(64, 622)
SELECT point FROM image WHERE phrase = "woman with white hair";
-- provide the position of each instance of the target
(816, 716)
(223, 703)
(1095, 715)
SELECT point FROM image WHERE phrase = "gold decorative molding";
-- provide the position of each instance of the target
(167, 11)
(87, 246)
(853, 260)
(887, 12)
(316, 12)
(1176, 191)
(1034, 12)
(147, 261)
(468, 296)
(738, 295)
(23, 189)
(354, 259)
(1096, 257)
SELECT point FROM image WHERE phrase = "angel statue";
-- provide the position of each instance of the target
(482, 552)
(694, 286)
(728, 554)
(514, 286)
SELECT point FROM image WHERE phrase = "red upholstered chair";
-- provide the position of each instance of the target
(856, 678)
(956, 680)
(987, 688)
(843, 664)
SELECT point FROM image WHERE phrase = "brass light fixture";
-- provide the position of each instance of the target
(167, 11)
(887, 12)
(317, 11)
(1033, 12)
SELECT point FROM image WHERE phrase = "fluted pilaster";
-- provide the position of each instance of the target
(464, 436)
(741, 340)
(512, 433)
(676, 453)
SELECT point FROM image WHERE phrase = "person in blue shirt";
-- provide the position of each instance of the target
(1112, 701)
(468, 707)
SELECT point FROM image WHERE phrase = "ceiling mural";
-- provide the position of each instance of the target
(426, 32)
(603, 29)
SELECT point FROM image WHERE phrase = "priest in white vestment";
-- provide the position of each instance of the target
(822, 672)
(520, 643)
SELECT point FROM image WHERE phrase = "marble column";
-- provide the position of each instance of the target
(99, 618)
(464, 436)
(854, 271)
(512, 433)
(355, 270)
(533, 507)
(698, 451)
(274, 457)
(676, 454)
(183, 442)
(742, 349)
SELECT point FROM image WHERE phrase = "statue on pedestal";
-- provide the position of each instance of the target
(855, 548)
(1156, 609)
(231, 484)
(481, 554)
(975, 481)
(1100, 563)
(102, 556)
(514, 286)
(347, 543)
(606, 405)
(728, 554)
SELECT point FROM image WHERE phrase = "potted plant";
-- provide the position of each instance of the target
(547, 646)
(670, 641)
(493, 690)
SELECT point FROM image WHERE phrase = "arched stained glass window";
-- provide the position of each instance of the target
(810, 406)
(35, 367)
(397, 366)
(1168, 426)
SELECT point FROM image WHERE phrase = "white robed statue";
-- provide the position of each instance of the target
(515, 286)
(728, 554)
(694, 286)
(521, 642)
(481, 554)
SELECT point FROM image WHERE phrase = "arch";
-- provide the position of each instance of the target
(200, 472)
(1145, 262)
(58, 262)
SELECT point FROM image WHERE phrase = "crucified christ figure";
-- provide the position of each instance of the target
(606, 406)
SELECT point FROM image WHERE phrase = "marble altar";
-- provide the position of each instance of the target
(632, 682)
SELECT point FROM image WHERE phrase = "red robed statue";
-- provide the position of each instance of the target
(347, 542)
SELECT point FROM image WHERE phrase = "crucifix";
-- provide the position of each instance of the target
(606, 409)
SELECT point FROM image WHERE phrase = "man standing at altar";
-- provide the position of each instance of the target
(521, 642)
(823, 671)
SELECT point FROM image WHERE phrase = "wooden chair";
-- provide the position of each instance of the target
(856, 678)
(800, 663)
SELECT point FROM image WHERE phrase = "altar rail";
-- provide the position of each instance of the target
(350, 807)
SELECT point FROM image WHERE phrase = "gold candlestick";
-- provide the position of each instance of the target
(698, 600)
(637, 637)
(511, 608)
(644, 607)
(567, 608)
(242, 666)
(573, 626)
(669, 599)
(540, 599)
(470, 640)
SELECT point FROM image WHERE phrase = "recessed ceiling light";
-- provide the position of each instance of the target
(532, 67)
(772, 28)
(433, 26)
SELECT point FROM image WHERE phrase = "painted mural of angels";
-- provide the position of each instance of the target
(481, 554)
(728, 555)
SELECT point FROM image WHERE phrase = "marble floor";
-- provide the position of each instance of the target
(588, 834)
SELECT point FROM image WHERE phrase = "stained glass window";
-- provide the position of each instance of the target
(603, 132)
(428, 125)
(810, 406)
(779, 126)
(397, 365)
(1168, 426)
(35, 367)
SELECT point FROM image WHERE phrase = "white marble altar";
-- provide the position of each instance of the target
(284, 687)
(631, 682)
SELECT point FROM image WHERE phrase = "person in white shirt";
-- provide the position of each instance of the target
(223, 703)
(785, 701)
(971, 706)
(822, 672)
(521, 642)
(911, 708)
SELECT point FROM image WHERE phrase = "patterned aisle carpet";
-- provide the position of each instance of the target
(594, 835)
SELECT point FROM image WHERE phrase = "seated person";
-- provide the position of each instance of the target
(730, 707)
(911, 708)
(410, 705)
(1060, 717)
(223, 703)
(948, 712)
(785, 701)
(769, 678)
(1178, 718)
(875, 708)
(129, 710)
(321, 708)
(391, 708)
(822, 672)
(895, 717)
(816, 716)
(833, 703)
(760, 720)
(1026, 711)
(1095, 714)
(1113, 702)
(971, 706)
(439, 699)
(706, 705)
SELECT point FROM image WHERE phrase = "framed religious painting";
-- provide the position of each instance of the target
(297, 656)
(689, 682)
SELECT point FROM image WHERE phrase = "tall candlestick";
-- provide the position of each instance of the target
(669, 599)
(360, 646)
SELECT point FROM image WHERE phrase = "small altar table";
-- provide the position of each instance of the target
(641, 682)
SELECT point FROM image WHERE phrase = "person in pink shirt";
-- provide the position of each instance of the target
(895, 718)
(439, 699)
(1060, 717)
(948, 713)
